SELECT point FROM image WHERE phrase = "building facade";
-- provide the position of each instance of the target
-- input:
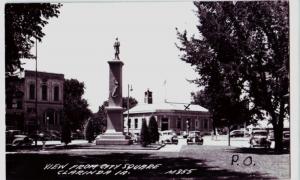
(169, 116)
(41, 104)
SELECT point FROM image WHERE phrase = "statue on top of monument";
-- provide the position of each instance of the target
(117, 49)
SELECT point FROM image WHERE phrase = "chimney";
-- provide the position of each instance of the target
(148, 97)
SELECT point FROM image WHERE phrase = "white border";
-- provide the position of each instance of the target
(294, 79)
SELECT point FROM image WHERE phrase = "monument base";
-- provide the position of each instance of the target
(112, 138)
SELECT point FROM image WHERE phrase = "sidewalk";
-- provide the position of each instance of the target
(57, 142)
(222, 140)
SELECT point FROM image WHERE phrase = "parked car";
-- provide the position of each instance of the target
(135, 137)
(259, 138)
(194, 137)
(168, 136)
(10, 135)
(22, 140)
(237, 133)
(50, 135)
(286, 139)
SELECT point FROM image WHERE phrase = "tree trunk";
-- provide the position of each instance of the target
(278, 138)
(278, 128)
(214, 127)
(228, 135)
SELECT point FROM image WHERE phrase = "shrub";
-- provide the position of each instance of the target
(153, 130)
(89, 130)
(66, 133)
(145, 138)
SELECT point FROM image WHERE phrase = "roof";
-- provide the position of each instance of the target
(41, 74)
(166, 106)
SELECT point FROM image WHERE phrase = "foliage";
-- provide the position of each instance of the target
(145, 137)
(66, 133)
(99, 119)
(153, 130)
(89, 130)
(132, 102)
(24, 23)
(242, 57)
(224, 110)
(75, 107)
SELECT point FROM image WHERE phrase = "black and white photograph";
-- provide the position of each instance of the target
(148, 90)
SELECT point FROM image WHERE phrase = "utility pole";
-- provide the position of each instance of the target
(228, 125)
(128, 123)
(36, 91)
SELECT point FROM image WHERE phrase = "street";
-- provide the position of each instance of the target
(196, 161)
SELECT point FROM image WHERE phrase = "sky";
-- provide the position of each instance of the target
(80, 42)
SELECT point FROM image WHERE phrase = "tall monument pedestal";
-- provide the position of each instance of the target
(114, 134)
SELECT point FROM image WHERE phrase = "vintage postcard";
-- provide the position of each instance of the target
(149, 90)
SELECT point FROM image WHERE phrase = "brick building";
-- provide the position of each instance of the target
(20, 109)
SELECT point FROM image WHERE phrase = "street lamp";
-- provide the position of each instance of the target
(47, 123)
(228, 127)
(129, 89)
(187, 126)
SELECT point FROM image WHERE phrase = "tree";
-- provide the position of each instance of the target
(99, 119)
(89, 130)
(23, 24)
(132, 102)
(153, 130)
(145, 138)
(244, 48)
(66, 133)
(75, 107)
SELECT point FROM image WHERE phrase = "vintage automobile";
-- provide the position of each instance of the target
(135, 137)
(194, 137)
(168, 136)
(286, 139)
(22, 140)
(10, 135)
(237, 133)
(259, 138)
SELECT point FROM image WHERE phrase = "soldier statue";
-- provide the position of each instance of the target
(117, 49)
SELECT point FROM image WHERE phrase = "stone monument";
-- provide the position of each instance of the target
(114, 133)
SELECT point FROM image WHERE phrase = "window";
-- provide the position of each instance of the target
(205, 124)
(164, 124)
(56, 93)
(129, 123)
(135, 123)
(178, 124)
(197, 124)
(31, 91)
(44, 92)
